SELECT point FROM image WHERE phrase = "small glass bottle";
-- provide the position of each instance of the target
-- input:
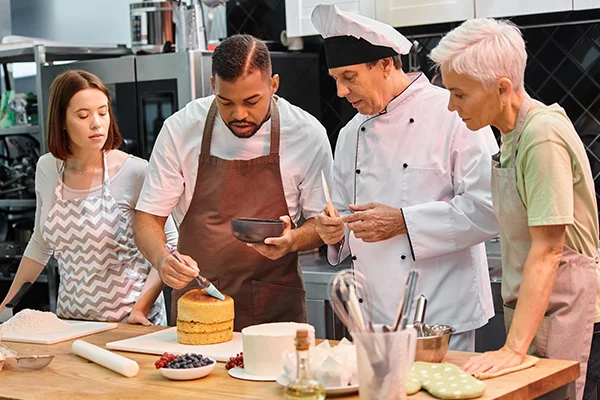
(304, 386)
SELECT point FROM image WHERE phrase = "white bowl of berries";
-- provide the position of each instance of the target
(185, 366)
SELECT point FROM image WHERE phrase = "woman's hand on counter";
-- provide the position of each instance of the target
(493, 361)
(138, 317)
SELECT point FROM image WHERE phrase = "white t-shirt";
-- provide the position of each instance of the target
(125, 187)
(304, 151)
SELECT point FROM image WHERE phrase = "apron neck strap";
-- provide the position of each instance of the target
(210, 123)
(275, 128)
(208, 128)
(61, 173)
(106, 179)
(59, 184)
(523, 110)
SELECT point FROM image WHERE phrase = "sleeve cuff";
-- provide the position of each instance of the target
(335, 254)
(154, 211)
(568, 220)
(412, 252)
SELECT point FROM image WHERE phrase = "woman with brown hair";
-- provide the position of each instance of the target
(86, 193)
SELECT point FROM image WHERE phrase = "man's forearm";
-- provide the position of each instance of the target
(539, 276)
(306, 236)
(150, 236)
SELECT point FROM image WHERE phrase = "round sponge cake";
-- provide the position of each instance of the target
(203, 319)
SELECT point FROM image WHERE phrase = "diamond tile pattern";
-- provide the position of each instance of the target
(563, 66)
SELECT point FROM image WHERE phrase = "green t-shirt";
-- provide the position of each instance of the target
(554, 178)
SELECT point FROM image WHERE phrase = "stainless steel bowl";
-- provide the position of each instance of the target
(434, 346)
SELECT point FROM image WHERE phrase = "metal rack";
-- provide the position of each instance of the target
(43, 55)
(19, 130)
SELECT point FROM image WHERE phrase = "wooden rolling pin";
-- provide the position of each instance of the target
(108, 359)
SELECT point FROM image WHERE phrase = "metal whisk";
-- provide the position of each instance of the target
(346, 288)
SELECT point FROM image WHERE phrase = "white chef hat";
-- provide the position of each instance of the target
(355, 39)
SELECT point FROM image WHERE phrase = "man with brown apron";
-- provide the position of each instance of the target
(235, 178)
(264, 290)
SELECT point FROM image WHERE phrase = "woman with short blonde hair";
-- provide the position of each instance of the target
(544, 198)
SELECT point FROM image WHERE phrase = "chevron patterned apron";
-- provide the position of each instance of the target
(102, 272)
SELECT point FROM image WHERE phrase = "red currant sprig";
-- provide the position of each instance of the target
(237, 361)
(164, 360)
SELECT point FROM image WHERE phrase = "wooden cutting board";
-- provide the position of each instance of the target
(77, 329)
(166, 341)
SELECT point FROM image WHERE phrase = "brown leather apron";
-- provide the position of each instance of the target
(263, 290)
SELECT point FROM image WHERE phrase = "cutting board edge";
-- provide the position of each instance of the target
(122, 345)
(154, 352)
(109, 326)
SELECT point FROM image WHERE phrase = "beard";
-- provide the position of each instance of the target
(249, 128)
(243, 129)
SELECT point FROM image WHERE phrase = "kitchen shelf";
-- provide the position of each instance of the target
(26, 52)
(17, 202)
(46, 52)
(19, 130)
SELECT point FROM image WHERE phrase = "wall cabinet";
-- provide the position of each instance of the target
(585, 4)
(298, 12)
(506, 8)
(401, 13)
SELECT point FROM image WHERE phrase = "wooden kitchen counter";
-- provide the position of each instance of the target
(72, 377)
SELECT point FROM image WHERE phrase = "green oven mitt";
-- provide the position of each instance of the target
(413, 383)
(447, 381)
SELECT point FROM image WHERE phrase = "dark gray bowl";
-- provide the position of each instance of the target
(256, 230)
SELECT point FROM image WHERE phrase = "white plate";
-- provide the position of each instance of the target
(240, 373)
(186, 374)
(283, 380)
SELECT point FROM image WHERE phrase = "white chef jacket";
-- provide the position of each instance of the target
(420, 157)
(304, 151)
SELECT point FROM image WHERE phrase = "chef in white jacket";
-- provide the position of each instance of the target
(412, 183)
